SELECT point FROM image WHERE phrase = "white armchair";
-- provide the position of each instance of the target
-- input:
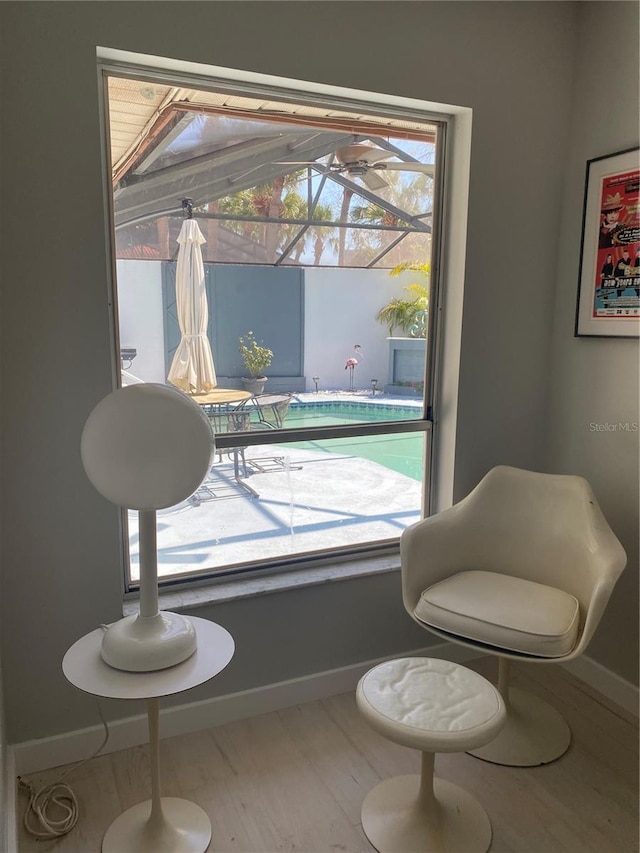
(521, 568)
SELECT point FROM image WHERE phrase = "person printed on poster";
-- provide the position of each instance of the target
(610, 224)
(607, 268)
(623, 266)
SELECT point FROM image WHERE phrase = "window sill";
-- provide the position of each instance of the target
(239, 588)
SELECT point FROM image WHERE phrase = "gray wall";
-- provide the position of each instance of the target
(5, 809)
(595, 381)
(511, 62)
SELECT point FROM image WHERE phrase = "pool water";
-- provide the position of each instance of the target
(401, 452)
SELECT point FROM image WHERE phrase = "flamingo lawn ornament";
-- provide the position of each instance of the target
(352, 363)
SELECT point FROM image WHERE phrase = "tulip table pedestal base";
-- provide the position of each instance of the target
(161, 824)
(183, 827)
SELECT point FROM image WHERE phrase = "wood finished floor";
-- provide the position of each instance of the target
(294, 780)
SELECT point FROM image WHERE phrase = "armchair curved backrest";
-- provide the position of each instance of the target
(546, 528)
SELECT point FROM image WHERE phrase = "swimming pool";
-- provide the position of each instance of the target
(328, 494)
(401, 452)
(341, 412)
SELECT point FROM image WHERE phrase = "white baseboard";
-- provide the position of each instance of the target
(66, 748)
(45, 753)
(613, 686)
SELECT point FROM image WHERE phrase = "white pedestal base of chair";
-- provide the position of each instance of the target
(178, 826)
(534, 733)
(419, 814)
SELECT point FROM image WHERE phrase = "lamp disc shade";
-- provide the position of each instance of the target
(146, 446)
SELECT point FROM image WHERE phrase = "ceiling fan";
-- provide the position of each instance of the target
(364, 161)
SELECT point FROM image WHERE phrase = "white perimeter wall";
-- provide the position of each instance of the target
(140, 317)
(340, 309)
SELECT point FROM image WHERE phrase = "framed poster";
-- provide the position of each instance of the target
(609, 277)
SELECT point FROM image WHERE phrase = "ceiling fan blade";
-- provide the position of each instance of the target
(376, 155)
(361, 154)
(426, 168)
(373, 181)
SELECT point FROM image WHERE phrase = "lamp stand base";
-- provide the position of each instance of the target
(148, 643)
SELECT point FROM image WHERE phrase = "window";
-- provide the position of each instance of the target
(319, 220)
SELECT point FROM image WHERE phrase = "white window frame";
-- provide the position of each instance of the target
(448, 240)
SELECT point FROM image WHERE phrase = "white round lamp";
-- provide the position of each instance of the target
(146, 447)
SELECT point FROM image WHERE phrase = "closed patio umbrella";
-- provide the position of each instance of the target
(192, 368)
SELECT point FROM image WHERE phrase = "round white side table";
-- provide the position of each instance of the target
(161, 824)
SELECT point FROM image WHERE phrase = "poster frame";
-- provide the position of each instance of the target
(617, 163)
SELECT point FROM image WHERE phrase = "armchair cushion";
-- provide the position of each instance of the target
(503, 611)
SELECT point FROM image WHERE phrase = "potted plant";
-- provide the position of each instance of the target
(256, 358)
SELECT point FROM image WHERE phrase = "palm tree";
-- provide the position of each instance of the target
(413, 196)
(408, 315)
(296, 207)
(277, 199)
(241, 204)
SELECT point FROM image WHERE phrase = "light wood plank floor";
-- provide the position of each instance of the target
(294, 780)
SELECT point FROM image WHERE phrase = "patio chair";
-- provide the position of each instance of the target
(226, 419)
(271, 410)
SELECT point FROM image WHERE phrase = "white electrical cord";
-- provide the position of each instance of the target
(38, 820)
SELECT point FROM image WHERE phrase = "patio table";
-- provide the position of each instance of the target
(221, 396)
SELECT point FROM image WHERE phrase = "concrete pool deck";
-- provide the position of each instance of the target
(307, 500)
